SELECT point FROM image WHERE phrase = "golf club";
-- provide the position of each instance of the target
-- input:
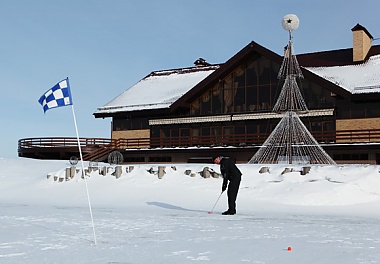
(210, 212)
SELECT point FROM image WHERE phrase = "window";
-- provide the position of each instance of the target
(165, 132)
(239, 102)
(216, 99)
(240, 129)
(251, 128)
(347, 109)
(134, 159)
(251, 100)
(315, 96)
(249, 88)
(205, 131)
(264, 98)
(130, 124)
(174, 132)
(185, 132)
(155, 132)
(195, 107)
(206, 103)
(160, 159)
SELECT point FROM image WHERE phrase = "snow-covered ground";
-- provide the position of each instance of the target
(329, 215)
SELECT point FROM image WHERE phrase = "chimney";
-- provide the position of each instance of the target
(362, 42)
(201, 62)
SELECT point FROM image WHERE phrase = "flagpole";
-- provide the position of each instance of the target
(83, 172)
(60, 95)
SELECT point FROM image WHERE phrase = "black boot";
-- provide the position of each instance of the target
(228, 212)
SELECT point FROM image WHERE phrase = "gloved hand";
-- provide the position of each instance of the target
(224, 187)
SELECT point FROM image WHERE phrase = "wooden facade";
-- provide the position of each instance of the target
(232, 108)
(230, 112)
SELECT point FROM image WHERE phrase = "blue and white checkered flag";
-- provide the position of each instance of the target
(59, 95)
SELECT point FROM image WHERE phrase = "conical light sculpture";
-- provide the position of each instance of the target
(290, 142)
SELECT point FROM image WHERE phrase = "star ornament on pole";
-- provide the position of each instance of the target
(290, 22)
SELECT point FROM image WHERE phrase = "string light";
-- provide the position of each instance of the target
(290, 141)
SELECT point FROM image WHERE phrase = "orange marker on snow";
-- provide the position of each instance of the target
(289, 248)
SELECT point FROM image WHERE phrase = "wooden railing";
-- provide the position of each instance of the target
(358, 136)
(98, 148)
(60, 146)
(61, 142)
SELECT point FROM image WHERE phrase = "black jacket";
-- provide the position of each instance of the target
(229, 171)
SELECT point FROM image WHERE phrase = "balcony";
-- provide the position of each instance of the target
(99, 148)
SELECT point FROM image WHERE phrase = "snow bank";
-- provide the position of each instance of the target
(25, 180)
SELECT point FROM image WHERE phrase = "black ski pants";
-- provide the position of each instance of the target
(232, 191)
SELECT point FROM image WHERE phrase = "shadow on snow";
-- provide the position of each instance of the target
(172, 207)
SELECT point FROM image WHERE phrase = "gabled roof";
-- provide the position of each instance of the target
(335, 70)
(251, 50)
(340, 57)
(171, 89)
(158, 90)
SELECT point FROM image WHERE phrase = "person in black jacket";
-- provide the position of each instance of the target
(231, 174)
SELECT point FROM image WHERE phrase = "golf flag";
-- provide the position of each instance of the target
(57, 96)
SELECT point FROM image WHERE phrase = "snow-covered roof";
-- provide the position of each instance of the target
(160, 89)
(357, 79)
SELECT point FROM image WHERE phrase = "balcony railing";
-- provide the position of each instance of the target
(27, 143)
(94, 148)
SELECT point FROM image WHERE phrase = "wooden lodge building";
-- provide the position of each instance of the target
(191, 114)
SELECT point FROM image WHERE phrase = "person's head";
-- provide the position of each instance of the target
(216, 159)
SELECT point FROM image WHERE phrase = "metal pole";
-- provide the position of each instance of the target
(83, 172)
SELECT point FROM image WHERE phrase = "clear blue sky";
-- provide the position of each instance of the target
(104, 47)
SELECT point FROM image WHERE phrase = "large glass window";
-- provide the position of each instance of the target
(254, 87)
(206, 131)
(165, 132)
(155, 132)
(206, 103)
(241, 132)
(185, 132)
(129, 124)
(264, 102)
(252, 73)
(250, 87)
(251, 99)
(315, 96)
(239, 100)
(174, 132)
(195, 107)
(346, 109)
(251, 128)
(240, 129)
(216, 99)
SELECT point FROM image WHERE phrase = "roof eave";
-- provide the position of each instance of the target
(366, 96)
(134, 113)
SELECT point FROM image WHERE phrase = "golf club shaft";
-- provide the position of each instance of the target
(216, 202)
